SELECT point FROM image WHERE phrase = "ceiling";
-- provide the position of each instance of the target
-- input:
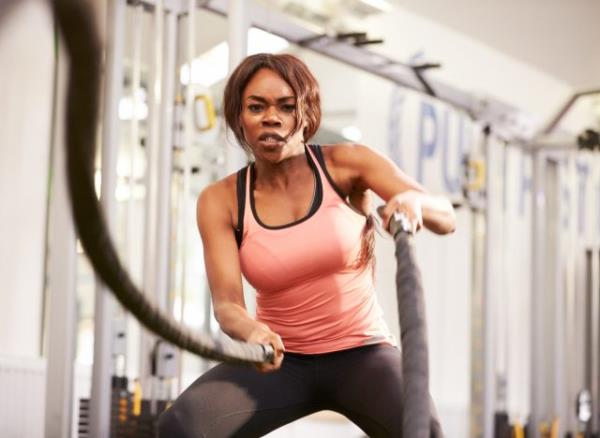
(559, 37)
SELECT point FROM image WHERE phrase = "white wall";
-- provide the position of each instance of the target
(468, 64)
(26, 83)
(23, 382)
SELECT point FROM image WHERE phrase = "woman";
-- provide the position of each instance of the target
(294, 223)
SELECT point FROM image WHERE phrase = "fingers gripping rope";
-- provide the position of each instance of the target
(77, 25)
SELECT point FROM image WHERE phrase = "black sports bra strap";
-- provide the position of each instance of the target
(321, 159)
(241, 204)
(318, 153)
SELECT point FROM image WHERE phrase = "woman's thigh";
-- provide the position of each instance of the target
(235, 400)
(365, 384)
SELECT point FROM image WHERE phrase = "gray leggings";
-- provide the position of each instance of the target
(364, 384)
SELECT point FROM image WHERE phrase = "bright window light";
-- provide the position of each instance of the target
(209, 68)
(260, 41)
(213, 65)
(352, 133)
(382, 5)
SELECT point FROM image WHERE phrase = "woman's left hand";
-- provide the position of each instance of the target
(408, 203)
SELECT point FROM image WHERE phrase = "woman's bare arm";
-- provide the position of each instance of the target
(224, 274)
(368, 169)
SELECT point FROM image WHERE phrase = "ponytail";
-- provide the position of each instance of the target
(366, 256)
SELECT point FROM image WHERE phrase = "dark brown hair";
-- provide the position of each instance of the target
(294, 72)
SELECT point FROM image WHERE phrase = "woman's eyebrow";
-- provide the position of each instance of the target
(262, 99)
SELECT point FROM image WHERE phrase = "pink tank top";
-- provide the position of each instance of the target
(308, 289)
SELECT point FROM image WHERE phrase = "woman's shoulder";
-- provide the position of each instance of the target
(220, 198)
(220, 187)
(346, 158)
(342, 161)
(343, 154)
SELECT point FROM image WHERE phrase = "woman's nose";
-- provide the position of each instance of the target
(271, 117)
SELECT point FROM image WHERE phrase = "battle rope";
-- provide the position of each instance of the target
(77, 25)
(417, 419)
(76, 22)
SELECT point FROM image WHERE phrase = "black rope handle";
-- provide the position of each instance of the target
(77, 24)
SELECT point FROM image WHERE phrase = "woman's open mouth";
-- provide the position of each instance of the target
(271, 140)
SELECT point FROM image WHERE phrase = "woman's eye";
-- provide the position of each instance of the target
(254, 107)
(288, 108)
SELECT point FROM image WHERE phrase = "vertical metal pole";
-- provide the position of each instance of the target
(104, 303)
(571, 261)
(477, 324)
(237, 15)
(477, 393)
(62, 272)
(134, 137)
(153, 145)
(489, 302)
(587, 324)
(187, 143)
(538, 392)
(596, 347)
(132, 360)
(499, 235)
(562, 404)
(164, 167)
(591, 335)
(165, 159)
(554, 315)
(238, 25)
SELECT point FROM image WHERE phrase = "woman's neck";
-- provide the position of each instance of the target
(279, 175)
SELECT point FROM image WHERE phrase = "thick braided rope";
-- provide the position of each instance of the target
(413, 329)
(77, 24)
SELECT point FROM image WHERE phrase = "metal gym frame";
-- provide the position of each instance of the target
(506, 121)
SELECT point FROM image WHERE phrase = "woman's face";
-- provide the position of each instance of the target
(268, 116)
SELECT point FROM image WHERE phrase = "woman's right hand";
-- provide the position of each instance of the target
(262, 334)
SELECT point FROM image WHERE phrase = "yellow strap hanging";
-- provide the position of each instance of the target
(475, 175)
(554, 428)
(518, 431)
(137, 398)
(204, 112)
